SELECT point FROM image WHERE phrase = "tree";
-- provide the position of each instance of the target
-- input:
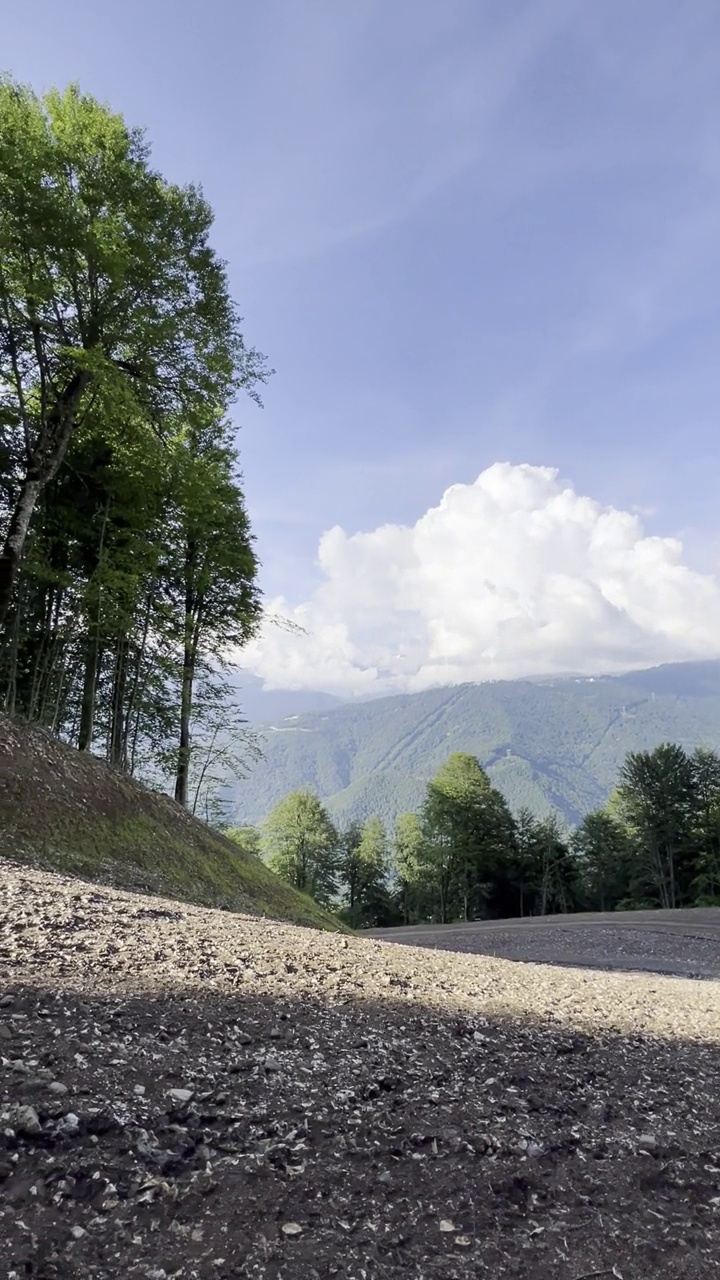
(602, 851)
(350, 866)
(365, 869)
(109, 291)
(558, 884)
(655, 801)
(467, 830)
(246, 838)
(408, 862)
(214, 582)
(706, 824)
(300, 845)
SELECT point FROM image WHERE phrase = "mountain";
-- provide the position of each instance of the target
(62, 810)
(554, 744)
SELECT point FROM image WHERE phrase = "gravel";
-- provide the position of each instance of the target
(240, 1098)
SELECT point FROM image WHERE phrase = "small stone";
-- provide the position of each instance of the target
(69, 1125)
(26, 1120)
(6, 1032)
(77, 1233)
(180, 1095)
(292, 1229)
(647, 1142)
(533, 1150)
(463, 1242)
(272, 1064)
(243, 1038)
(6, 1002)
(447, 1225)
(58, 1089)
(139, 1090)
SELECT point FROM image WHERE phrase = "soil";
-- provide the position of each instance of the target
(188, 1092)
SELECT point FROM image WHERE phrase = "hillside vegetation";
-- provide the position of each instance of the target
(553, 745)
(63, 810)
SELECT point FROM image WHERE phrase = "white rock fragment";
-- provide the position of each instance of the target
(180, 1095)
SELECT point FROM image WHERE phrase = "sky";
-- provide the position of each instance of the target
(480, 246)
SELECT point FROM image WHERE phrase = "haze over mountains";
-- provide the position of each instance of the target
(550, 744)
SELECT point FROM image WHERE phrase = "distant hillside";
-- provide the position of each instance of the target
(553, 744)
(65, 811)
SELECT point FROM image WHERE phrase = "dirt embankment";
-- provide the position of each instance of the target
(63, 810)
(191, 1093)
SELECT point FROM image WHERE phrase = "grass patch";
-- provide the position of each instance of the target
(64, 811)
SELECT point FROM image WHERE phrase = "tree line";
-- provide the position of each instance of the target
(127, 564)
(465, 856)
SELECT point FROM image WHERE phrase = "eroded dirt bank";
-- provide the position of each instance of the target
(196, 1094)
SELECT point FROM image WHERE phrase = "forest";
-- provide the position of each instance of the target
(465, 856)
(129, 574)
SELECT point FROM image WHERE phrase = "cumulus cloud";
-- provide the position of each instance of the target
(516, 574)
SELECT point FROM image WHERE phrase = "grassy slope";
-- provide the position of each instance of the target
(68, 812)
(548, 745)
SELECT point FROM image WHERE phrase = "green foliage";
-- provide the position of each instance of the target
(246, 838)
(467, 833)
(409, 865)
(127, 563)
(655, 800)
(603, 851)
(363, 868)
(300, 844)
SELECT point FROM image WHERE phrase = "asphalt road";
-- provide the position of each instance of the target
(684, 943)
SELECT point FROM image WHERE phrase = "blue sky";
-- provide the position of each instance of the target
(463, 232)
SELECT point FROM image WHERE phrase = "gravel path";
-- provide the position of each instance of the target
(191, 1093)
(685, 943)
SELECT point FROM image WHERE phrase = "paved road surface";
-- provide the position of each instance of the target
(684, 943)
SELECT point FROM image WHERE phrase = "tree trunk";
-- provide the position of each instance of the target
(12, 551)
(46, 458)
(87, 708)
(116, 752)
(182, 776)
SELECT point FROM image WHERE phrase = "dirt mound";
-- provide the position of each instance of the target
(187, 1093)
(67, 811)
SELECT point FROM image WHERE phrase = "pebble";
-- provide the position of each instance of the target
(58, 1089)
(180, 1095)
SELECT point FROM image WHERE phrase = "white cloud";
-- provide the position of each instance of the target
(516, 574)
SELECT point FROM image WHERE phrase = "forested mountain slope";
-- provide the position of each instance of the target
(548, 744)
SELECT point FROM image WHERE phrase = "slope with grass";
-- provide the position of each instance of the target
(547, 744)
(66, 811)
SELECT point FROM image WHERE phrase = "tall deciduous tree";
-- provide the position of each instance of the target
(300, 844)
(468, 829)
(655, 799)
(108, 289)
(409, 863)
(367, 898)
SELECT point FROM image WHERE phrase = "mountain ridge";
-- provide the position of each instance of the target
(550, 743)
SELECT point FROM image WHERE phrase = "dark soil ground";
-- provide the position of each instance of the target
(192, 1093)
